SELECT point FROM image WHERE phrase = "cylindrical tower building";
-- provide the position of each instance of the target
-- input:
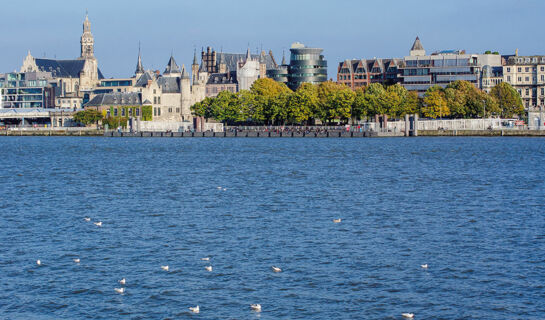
(306, 65)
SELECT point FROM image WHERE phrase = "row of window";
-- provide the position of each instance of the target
(123, 113)
(526, 79)
(527, 69)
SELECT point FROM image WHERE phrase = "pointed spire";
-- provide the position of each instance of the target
(172, 67)
(195, 57)
(283, 57)
(248, 55)
(86, 23)
(417, 45)
(185, 75)
(139, 66)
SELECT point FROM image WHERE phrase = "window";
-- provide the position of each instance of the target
(543, 91)
(527, 79)
(508, 69)
(158, 100)
(154, 100)
(527, 92)
(159, 111)
(115, 112)
(508, 78)
(542, 68)
(526, 69)
(155, 111)
(519, 79)
(154, 91)
(178, 109)
(130, 112)
(137, 111)
(122, 112)
(169, 110)
(542, 77)
(519, 69)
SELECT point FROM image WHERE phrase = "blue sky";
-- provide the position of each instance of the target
(344, 29)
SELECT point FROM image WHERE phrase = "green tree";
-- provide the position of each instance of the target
(334, 102)
(434, 104)
(302, 103)
(88, 117)
(508, 100)
(360, 107)
(376, 100)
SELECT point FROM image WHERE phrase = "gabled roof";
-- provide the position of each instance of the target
(143, 80)
(116, 99)
(63, 68)
(417, 45)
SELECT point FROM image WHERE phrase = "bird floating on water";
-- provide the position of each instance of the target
(424, 266)
(87, 219)
(208, 268)
(219, 188)
(98, 224)
(77, 260)
(119, 290)
(195, 309)
(205, 259)
(224, 189)
(122, 281)
(276, 269)
(39, 262)
(408, 315)
(337, 220)
(164, 268)
(256, 307)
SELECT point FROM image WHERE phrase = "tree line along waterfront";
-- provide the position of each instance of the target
(272, 103)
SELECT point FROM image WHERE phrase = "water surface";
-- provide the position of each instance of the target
(471, 208)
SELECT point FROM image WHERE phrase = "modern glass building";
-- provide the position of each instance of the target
(306, 65)
(26, 90)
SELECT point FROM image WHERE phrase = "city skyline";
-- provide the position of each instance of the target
(347, 33)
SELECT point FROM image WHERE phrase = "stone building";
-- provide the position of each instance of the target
(230, 71)
(527, 75)
(75, 78)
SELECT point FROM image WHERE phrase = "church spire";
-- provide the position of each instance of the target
(139, 66)
(87, 41)
(195, 57)
(248, 55)
(283, 58)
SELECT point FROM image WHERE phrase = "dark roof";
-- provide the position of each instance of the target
(169, 84)
(231, 59)
(417, 45)
(63, 68)
(172, 67)
(143, 80)
(116, 99)
(222, 78)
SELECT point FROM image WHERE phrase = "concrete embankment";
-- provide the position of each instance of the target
(41, 132)
(330, 134)
(482, 133)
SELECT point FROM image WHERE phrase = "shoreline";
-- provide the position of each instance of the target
(265, 134)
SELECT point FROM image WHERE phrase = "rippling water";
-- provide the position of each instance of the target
(471, 208)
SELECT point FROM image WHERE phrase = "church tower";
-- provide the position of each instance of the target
(87, 41)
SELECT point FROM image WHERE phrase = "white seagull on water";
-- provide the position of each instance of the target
(408, 315)
(276, 269)
(87, 219)
(256, 307)
(39, 262)
(208, 268)
(119, 290)
(98, 224)
(165, 268)
(122, 281)
(195, 309)
(424, 266)
(77, 260)
(337, 220)
(205, 259)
